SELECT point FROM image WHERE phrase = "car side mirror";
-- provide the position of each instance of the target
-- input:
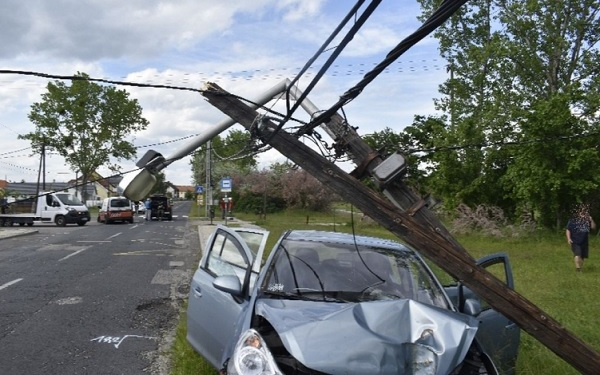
(228, 284)
(472, 307)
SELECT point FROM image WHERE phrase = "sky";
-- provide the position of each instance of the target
(246, 47)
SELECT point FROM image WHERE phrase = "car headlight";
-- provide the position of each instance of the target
(421, 360)
(252, 357)
(421, 357)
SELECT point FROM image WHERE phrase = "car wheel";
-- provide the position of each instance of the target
(81, 223)
(60, 221)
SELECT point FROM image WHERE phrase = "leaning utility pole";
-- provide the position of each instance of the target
(409, 218)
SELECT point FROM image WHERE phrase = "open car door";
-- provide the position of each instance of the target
(233, 253)
(498, 335)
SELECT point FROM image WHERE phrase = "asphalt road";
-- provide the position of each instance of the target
(97, 299)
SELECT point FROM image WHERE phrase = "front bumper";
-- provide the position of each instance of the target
(77, 217)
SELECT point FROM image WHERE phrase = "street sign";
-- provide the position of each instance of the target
(226, 185)
(199, 189)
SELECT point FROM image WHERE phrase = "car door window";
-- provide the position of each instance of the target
(253, 240)
(226, 257)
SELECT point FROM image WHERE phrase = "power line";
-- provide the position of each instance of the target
(561, 138)
(439, 16)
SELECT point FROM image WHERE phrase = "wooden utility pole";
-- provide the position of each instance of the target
(409, 218)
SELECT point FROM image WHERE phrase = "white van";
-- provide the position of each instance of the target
(61, 208)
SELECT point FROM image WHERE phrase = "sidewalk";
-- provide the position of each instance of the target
(205, 228)
(8, 232)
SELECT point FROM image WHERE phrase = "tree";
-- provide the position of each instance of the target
(86, 123)
(161, 184)
(522, 100)
(232, 155)
(302, 190)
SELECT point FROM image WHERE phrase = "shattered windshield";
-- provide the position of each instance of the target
(348, 273)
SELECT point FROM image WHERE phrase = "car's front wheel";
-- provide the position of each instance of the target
(60, 221)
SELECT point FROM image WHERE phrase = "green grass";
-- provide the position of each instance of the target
(184, 360)
(542, 266)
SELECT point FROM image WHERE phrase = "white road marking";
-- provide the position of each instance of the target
(9, 284)
(70, 255)
(115, 235)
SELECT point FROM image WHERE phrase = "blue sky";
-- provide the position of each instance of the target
(244, 46)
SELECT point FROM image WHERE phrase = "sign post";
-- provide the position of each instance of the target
(199, 197)
(226, 202)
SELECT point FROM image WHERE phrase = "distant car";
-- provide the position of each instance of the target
(333, 303)
(161, 207)
(140, 207)
(115, 209)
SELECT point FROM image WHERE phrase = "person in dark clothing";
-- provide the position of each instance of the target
(578, 229)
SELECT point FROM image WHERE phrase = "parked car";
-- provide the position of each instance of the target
(333, 303)
(139, 207)
(115, 209)
(161, 207)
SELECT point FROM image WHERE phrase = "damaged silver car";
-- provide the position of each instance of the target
(333, 303)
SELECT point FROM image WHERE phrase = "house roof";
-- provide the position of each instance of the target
(186, 188)
(32, 188)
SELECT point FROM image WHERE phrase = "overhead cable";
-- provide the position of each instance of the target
(439, 16)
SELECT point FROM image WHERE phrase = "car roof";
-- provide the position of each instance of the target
(344, 239)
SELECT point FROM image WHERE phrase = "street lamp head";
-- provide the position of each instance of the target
(138, 185)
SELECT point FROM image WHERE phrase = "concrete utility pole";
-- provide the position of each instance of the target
(409, 218)
(209, 193)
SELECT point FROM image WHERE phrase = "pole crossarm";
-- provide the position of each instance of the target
(419, 229)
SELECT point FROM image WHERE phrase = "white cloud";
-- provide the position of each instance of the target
(244, 46)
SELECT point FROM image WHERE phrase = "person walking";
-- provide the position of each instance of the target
(578, 229)
(148, 205)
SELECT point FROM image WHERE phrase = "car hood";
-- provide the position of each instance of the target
(368, 337)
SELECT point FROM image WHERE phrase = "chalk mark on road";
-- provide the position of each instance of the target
(116, 341)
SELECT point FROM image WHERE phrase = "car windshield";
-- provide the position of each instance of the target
(69, 199)
(349, 273)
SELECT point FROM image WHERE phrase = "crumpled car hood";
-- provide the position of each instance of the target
(369, 337)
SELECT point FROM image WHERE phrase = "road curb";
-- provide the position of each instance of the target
(11, 233)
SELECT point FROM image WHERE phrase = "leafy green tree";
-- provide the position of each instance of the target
(86, 123)
(229, 156)
(555, 54)
(161, 184)
(522, 101)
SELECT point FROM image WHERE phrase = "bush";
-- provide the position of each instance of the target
(488, 220)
